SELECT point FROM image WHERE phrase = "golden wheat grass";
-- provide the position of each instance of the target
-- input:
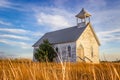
(28, 70)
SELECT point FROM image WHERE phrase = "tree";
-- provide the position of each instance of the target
(45, 52)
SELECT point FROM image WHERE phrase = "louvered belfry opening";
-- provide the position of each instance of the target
(83, 17)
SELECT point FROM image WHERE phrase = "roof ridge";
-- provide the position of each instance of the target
(61, 29)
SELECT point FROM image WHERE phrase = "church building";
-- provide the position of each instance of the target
(75, 44)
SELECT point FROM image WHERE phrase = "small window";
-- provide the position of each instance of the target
(56, 49)
(69, 51)
(91, 51)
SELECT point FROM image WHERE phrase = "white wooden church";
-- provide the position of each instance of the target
(75, 44)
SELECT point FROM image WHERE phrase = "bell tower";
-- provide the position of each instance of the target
(83, 17)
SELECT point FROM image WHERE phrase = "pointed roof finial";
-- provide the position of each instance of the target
(83, 14)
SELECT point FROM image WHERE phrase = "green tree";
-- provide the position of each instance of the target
(45, 52)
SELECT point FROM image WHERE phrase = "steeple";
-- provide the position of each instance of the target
(84, 16)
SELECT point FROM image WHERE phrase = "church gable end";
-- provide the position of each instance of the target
(90, 45)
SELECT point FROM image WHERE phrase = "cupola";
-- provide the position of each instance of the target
(83, 17)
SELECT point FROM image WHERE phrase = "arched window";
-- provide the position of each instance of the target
(56, 49)
(91, 51)
(69, 51)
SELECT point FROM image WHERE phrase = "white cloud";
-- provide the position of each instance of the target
(15, 43)
(19, 34)
(54, 18)
(5, 3)
(14, 36)
(54, 21)
(23, 35)
(17, 31)
(5, 23)
(111, 35)
(15, 6)
(109, 32)
(20, 31)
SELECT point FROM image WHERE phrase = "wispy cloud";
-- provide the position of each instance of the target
(107, 36)
(17, 31)
(5, 23)
(15, 43)
(5, 3)
(23, 35)
(54, 18)
(54, 21)
(21, 31)
(15, 37)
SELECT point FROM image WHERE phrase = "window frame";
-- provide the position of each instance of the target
(69, 51)
(92, 54)
(56, 49)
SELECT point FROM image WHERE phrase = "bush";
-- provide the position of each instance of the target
(45, 52)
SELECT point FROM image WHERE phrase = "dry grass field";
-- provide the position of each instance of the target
(28, 70)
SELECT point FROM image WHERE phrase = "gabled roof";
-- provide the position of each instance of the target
(62, 36)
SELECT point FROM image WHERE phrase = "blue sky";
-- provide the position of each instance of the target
(23, 22)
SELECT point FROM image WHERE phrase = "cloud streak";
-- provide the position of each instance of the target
(25, 35)
(108, 36)
(5, 3)
(17, 31)
(14, 37)
(21, 32)
(5, 23)
(15, 43)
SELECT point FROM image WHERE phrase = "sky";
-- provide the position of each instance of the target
(23, 22)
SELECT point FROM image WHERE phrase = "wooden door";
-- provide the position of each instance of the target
(80, 51)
